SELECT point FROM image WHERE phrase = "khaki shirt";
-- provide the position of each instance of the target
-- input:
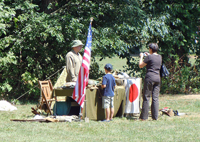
(73, 64)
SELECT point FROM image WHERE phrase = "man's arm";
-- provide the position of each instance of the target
(70, 67)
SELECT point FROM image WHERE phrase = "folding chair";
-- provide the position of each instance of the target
(46, 99)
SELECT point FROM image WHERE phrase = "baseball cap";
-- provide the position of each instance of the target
(108, 66)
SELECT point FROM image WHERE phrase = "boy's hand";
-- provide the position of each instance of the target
(103, 86)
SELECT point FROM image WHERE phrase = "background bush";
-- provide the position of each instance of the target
(36, 35)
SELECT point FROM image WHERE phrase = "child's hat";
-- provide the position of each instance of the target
(108, 66)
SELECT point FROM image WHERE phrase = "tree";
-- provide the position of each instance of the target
(35, 37)
(181, 23)
(6, 57)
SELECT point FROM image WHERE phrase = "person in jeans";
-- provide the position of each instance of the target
(108, 85)
(152, 81)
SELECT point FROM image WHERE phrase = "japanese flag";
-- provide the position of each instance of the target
(133, 89)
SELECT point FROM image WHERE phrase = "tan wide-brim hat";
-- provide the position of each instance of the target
(76, 43)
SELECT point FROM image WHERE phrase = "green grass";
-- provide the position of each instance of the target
(169, 129)
(116, 62)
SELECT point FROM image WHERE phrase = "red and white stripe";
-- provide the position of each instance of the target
(83, 76)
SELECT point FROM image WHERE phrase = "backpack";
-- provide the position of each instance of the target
(164, 71)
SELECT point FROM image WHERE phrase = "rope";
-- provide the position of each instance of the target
(37, 85)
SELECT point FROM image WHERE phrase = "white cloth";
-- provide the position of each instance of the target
(6, 106)
(133, 88)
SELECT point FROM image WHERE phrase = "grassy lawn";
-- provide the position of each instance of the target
(117, 63)
(176, 128)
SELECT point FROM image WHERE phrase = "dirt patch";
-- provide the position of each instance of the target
(188, 96)
(192, 115)
(179, 97)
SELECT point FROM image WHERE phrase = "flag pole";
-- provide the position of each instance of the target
(79, 92)
(86, 118)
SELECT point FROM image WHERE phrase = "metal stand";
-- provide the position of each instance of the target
(86, 119)
(80, 114)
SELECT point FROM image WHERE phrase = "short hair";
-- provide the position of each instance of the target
(154, 47)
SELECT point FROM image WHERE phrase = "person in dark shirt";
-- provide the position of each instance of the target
(152, 81)
(108, 85)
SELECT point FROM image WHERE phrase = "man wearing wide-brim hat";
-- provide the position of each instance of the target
(73, 61)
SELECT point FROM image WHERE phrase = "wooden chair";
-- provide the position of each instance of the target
(46, 89)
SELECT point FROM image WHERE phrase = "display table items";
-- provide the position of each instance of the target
(93, 99)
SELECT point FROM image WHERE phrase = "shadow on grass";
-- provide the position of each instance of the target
(132, 116)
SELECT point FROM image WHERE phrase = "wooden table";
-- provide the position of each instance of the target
(94, 102)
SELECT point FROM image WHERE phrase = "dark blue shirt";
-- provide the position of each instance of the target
(109, 81)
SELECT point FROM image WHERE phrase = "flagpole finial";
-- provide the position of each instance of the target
(91, 19)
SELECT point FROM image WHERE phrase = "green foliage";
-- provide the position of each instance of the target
(36, 35)
(6, 15)
(167, 23)
(32, 41)
(185, 78)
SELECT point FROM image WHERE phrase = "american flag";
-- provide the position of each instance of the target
(82, 80)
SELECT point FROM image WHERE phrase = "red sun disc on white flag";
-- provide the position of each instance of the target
(133, 93)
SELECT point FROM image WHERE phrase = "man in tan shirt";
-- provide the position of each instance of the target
(73, 61)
